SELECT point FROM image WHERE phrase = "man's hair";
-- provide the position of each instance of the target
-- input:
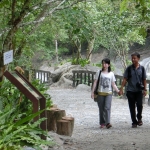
(135, 54)
(107, 61)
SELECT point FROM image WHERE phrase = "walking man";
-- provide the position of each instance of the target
(135, 76)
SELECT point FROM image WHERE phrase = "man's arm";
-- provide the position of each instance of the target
(122, 85)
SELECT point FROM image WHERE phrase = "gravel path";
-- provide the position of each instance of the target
(88, 136)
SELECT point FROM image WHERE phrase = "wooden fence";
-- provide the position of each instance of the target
(83, 77)
(43, 76)
(79, 77)
(87, 77)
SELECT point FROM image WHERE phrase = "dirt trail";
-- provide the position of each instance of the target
(88, 136)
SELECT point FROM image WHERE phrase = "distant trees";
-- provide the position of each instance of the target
(20, 19)
(28, 25)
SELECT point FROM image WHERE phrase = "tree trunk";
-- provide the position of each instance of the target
(90, 49)
(71, 119)
(79, 51)
(122, 54)
(2, 70)
(53, 115)
(64, 127)
(56, 50)
(78, 45)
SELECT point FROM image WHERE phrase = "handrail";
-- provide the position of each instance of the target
(42, 75)
(79, 77)
(83, 77)
(87, 77)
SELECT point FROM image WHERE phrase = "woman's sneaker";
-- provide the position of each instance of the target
(102, 126)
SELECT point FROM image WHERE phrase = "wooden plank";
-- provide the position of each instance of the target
(73, 79)
(85, 78)
(81, 78)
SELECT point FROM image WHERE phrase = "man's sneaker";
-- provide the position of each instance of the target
(134, 125)
(108, 126)
(140, 123)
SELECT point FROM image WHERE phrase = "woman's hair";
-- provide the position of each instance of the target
(107, 61)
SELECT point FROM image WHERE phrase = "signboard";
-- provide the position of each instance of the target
(38, 100)
(26, 85)
(8, 57)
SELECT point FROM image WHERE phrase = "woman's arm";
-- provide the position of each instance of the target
(93, 88)
(145, 90)
(115, 87)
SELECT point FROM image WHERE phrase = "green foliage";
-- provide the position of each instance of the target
(142, 6)
(9, 94)
(44, 38)
(80, 61)
(43, 90)
(123, 5)
(97, 64)
(24, 132)
(100, 66)
(113, 24)
(129, 62)
(17, 128)
(112, 67)
(140, 9)
(142, 31)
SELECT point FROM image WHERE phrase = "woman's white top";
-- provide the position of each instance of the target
(106, 79)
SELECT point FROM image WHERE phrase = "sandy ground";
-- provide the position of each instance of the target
(88, 136)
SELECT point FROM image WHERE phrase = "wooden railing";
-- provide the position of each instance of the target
(43, 76)
(87, 77)
(79, 77)
(83, 77)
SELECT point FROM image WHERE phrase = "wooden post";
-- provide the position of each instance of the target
(71, 119)
(84, 77)
(92, 80)
(64, 127)
(53, 115)
(88, 79)
(80, 77)
(77, 79)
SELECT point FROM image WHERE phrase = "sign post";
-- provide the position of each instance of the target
(31, 93)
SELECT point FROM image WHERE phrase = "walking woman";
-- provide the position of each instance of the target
(106, 82)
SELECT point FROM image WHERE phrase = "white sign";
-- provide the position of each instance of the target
(8, 57)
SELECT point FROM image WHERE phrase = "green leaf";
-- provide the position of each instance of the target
(28, 118)
(143, 32)
(123, 6)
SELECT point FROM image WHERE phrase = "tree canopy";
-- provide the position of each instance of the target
(55, 25)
